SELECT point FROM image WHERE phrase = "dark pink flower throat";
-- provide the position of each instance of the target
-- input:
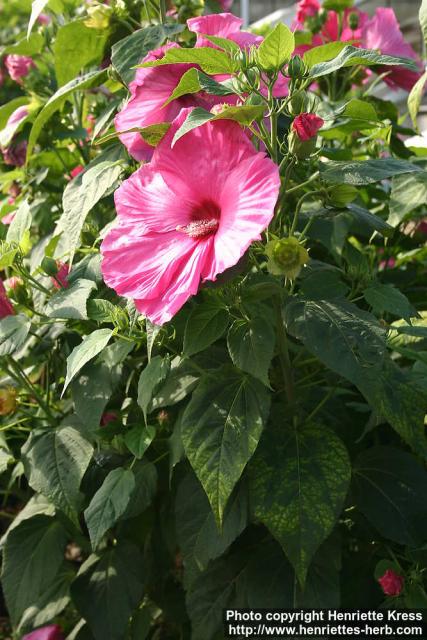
(204, 220)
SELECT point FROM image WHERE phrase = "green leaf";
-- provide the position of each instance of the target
(189, 83)
(369, 220)
(37, 505)
(55, 102)
(145, 488)
(408, 192)
(364, 171)
(197, 532)
(415, 97)
(386, 298)
(352, 56)
(77, 46)
(138, 439)
(323, 53)
(223, 43)
(83, 193)
(298, 482)
(244, 115)
(37, 7)
(26, 46)
(211, 61)
(128, 52)
(276, 49)
(178, 384)
(91, 391)
(109, 503)
(71, 301)
(32, 556)
(345, 338)
(150, 380)
(20, 224)
(337, 5)
(90, 347)
(251, 345)
(205, 325)
(55, 462)
(233, 410)
(390, 488)
(108, 588)
(13, 333)
(7, 109)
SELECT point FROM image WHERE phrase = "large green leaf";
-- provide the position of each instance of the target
(276, 49)
(390, 488)
(90, 347)
(220, 430)
(386, 298)
(205, 325)
(423, 18)
(244, 114)
(150, 380)
(365, 171)
(55, 461)
(210, 60)
(415, 97)
(131, 50)
(37, 7)
(107, 590)
(251, 345)
(13, 333)
(77, 46)
(83, 193)
(180, 381)
(71, 301)
(88, 81)
(194, 81)
(298, 482)
(352, 56)
(91, 390)
(408, 192)
(32, 557)
(21, 224)
(109, 503)
(139, 438)
(198, 536)
(323, 53)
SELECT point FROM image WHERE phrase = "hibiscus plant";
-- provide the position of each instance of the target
(213, 334)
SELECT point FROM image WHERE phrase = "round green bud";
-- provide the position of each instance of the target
(49, 266)
(286, 257)
(296, 68)
(353, 21)
(342, 195)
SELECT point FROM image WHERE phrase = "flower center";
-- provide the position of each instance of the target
(204, 220)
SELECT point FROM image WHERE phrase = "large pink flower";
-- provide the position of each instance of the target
(188, 216)
(51, 632)
(18, 66)
(222, 25)
(383, 32)
(149, 91)
(307, 9)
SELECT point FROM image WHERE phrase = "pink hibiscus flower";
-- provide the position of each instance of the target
(306, 125)
(188, 216)
(222, 25)
(60, 281)
(50, 632)
(6, 308)
(149, 91)
(18, 66)
(225, 4)
(383, 32)
(15, 154)
(391, 583)
(307, 9)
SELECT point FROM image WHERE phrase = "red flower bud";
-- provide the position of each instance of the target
(78, 169)
(307, 125)
(391, 583)
(60, 280)
(50, 632)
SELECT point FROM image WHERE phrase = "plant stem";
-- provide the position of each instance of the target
(285, 361)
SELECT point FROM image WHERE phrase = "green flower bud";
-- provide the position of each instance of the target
(253, 76)
(299, 103)
(99, 16)
(353, 21)
(342, 195)
(302, 149)
(286, 257)
(49, 266)
(296, 68)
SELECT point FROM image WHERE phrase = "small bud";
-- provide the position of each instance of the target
(353, 21)
(341, 195)
(253, 76)
(391, 583)
(306, 125)
(286, 257)
(296, 68)
(49, 266)
(99, 16)
(298, 103)
(7, 401)
(300, 148)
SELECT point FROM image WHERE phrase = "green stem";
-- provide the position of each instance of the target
(285, 361)
(301, 201)
(26, 382)
(162, 11)
(303, 184)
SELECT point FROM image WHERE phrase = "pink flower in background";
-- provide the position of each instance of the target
(51, 632)
(15, 154)
(383, 32)
(17, 116)
(6, 308)
(13, 282)
(307, 9)
(222, 25)
(391, 583)
(149, 91)
(77, 170)
(60, 281)
(307, 125)
(107, 417)
(225, 4)
(44, 19)
(8, 218)
(18, 66)
(188, 216)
